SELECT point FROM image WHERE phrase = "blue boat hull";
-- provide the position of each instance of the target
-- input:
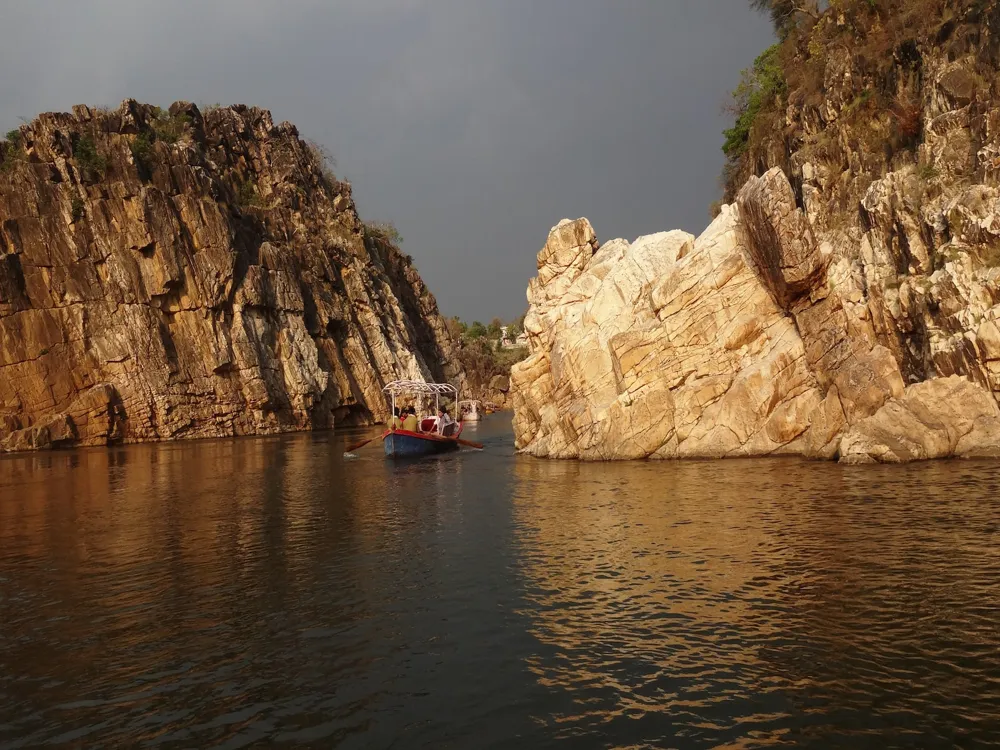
(409, 445)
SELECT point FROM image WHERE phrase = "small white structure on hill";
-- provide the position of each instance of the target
(509, 341)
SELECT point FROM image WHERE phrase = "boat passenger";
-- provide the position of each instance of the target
(396, 423)
(410, 423)
(444, 423)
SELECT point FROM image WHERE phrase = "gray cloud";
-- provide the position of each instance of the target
(474, 125)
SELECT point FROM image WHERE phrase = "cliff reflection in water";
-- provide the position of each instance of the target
(757, 602)
(268, 592)
(195, 590)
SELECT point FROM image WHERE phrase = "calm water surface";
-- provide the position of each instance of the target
(266, 592)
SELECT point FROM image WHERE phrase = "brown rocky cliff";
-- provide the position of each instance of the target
(184, 274)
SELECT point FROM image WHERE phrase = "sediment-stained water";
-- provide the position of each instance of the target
(267, 592)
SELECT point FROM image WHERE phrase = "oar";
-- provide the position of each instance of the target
(362, 444)
(469, 443)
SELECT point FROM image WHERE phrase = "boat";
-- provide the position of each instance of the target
(490, 408)
(471, 411)
(403, 444)
(408, 444)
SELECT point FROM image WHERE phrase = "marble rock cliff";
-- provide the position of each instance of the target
(756, 338)
(183, 274)
(845, 304)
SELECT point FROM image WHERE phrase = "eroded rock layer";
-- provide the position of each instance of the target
(184, 274)
(757, 338)
(845, 304)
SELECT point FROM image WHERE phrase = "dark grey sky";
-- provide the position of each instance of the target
(473, 125)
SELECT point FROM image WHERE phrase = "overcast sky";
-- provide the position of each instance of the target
(473, 125)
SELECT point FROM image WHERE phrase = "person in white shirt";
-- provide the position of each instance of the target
(444, 422)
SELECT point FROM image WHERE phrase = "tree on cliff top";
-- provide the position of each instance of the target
(785, 13)
(759, 88)
(383, 232)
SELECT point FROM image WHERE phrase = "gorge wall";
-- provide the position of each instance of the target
(190, 274)
(844, 304)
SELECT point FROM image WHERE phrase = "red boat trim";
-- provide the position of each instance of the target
(426, 435)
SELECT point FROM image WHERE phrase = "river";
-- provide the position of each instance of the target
(268, 592)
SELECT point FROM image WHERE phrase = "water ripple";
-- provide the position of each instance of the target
(268, 593)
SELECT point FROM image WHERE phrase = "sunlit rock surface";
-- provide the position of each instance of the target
(760, 337)
(184, 274)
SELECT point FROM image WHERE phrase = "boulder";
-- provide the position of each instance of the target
(935, 419)
(778, 239)
(51, 432)
(500, 383)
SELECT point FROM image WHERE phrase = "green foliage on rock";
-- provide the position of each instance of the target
(91, 162)
(12, 151)
(77, 207)
(169, 128)
(247, 195)
(384, 232)
(326, 163)
(495, 329)
(785, 13)
(760, 87)
(844, 84)
(142, 150)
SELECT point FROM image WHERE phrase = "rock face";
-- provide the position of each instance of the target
(754, 339)
(845, 304)
(184, 274)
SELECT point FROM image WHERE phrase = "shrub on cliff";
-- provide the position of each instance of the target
(759, 89)
(784, 13)
(142, 151)
(247, 195)
(476, 331)
(11, 151)
(77, 207)
(161, 127)
(325, 162)
(89, 159)
(169, 128)
(862, 61)
(482, 361)
(384, 232)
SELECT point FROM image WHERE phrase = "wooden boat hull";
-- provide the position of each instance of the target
(403, 444)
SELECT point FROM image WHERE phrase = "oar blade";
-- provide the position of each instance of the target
(362, 444)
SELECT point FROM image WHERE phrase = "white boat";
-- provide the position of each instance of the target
(470, 411)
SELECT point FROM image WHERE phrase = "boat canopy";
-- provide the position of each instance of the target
(418, 388)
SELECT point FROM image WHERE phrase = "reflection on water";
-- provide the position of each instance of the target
(765, 602)
(268, 592)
